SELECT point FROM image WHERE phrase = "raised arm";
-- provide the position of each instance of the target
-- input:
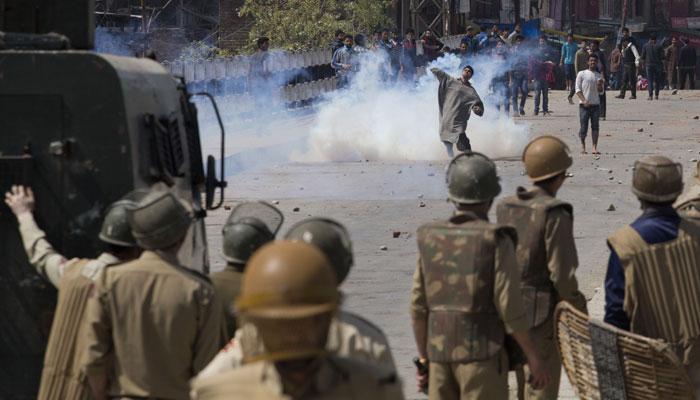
(47, 261)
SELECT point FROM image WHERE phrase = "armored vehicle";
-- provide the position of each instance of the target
(82, 129)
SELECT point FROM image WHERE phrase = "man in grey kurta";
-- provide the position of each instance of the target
(456, 98)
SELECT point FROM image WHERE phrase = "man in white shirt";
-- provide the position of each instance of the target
(589, 85)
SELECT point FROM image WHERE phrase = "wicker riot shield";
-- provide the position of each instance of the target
(604, 362)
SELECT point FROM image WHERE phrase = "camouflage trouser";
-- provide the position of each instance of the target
(543, 337)
(487, 379)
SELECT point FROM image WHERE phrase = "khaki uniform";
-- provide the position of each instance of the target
(688, 205)
(547, 260)
(337, 378)
(227, 284)
(466, 290)
(153, 325)
(349, 336)
(62, 376)
(662, 290)
(672, 55)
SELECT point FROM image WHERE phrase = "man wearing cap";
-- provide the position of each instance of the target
(466, 293)
(688, 204)
(652, 285)
(153, 324)
(62, 377)
(349, 336)
(457, 98)
(289, 295)
(547, 258)
(249, 226)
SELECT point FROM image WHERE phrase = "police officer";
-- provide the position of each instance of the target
(61, 376)
(153, 323)
(466, 292)
(546, 252)
(688, 204)
(289, 294)
(349, 336)
(243, 234)
(652, 286)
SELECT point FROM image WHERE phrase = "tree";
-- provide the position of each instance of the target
(307, 24)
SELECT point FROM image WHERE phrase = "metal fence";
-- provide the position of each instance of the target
(298, 77)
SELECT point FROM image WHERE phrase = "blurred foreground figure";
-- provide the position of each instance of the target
(289, 295)
(457, 98)
(62, 377)
(546, 252)
(349, 335)
(249, 226)
(153, 324)
(688, 204)
(466, 293)
(652, 286)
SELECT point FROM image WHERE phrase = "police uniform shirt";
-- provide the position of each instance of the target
(349, 336)
(336, 378)
(153, 325)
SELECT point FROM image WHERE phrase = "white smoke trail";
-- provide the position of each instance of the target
(371, 121)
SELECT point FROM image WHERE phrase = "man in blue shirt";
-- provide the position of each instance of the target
(568, 55)
(658, 223)
(652, 287)
(470, 40)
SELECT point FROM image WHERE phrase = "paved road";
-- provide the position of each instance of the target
(374, 199)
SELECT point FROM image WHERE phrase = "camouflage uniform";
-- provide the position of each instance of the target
(547, 260)
(466, 292)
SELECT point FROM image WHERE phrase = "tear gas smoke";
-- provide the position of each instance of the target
(372, 121)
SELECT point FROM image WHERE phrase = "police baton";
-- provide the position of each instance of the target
(422, 370)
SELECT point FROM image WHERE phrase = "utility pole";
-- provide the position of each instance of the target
(623, 20)
(516, 7)
(143, 16)
(446, 16)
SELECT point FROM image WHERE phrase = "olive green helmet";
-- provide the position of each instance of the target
(159, 220)
(115, 226)
(657, 179)
(330, 237)
(471, 179)
(249, 226)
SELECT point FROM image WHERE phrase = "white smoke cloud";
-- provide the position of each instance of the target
(371, 121)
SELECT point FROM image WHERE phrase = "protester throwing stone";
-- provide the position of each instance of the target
(457, 98)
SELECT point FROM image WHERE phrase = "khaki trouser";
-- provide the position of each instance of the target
(486, 379)
(543, 337)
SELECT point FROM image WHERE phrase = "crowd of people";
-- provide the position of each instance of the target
(136, 323)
